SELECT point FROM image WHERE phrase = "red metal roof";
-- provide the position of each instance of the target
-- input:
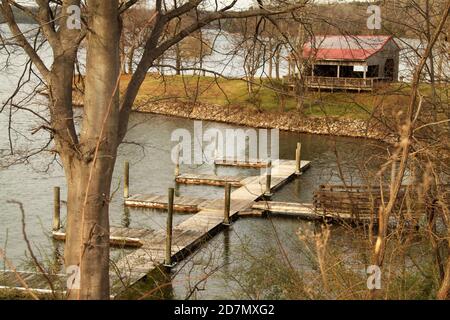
(344, 47)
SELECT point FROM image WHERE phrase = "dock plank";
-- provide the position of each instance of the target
(250, 163)
(181, 204)
(119, 236)
(209, 179)
(304, 210)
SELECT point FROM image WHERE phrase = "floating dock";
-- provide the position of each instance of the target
(181, 204)
(192, 232)
(186, 236)
(230, 162)
(304, 211)
(209, 179)
(118, 237)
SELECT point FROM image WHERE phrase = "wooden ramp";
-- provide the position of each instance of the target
(192, 232)
(209, 179)
(119, 236)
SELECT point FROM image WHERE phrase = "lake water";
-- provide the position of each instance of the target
(152, 172)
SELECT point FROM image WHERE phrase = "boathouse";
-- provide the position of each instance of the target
(346, 62)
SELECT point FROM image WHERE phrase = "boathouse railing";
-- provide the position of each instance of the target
(339, 83)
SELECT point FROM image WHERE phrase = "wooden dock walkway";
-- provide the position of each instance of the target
(209, 179)
(192, 232)
(118, 237)
(181, 204)
(304, 211)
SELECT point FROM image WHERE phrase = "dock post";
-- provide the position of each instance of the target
(226, 219)
(56, 208)
(126, 180)
(168, 259)
(268, 192)
(298, 159)
(177, 164)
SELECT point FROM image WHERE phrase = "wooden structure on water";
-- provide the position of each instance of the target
(305, 211)
(251, 163)
(181, 204)
(118, 237)
(356, 203)
(209, 179)
(209, 220)
(294, 209)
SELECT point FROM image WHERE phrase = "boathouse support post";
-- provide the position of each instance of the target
(126, 180)
(268, 192)
(56, 208)
(226, 219)
(298, 159)
(168, 258)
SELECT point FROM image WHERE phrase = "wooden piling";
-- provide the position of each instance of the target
(226, 219)
(298, 159)
(268, 192)
(56, 208)
(168, 259)
(126, 180)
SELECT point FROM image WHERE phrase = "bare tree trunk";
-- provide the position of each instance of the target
(277, 63)
(270, 59)
(282, 102)
(177, 60)
(431, 59)
(89, 178)
(131, 59)
(300, 94)
(123, 58)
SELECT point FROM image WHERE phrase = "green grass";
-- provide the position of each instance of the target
(224, 92)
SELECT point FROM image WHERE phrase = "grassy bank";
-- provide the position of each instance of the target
(225, 92)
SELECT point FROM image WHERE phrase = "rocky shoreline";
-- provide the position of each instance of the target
(287, 121)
